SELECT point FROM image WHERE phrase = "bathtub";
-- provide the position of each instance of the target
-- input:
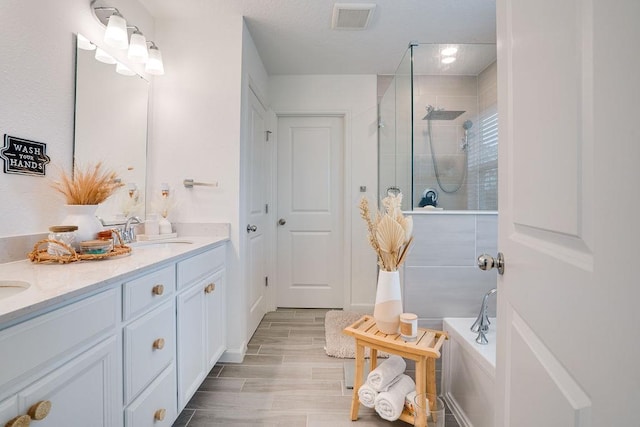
(468, 373)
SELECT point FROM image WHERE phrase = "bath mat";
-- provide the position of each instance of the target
(338, 344)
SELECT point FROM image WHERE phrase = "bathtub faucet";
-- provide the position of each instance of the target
(481, 325)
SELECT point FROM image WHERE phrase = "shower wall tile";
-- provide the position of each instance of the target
(487, 232)
(488, 78)
(440, 278)
(437, 292)
(453, 85)
(443, 240)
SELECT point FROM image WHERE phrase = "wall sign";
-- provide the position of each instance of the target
(24, 157)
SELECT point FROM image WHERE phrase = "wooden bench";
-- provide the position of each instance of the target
(424, 351)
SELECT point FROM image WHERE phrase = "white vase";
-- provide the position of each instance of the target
(388, 306)
(84, 217)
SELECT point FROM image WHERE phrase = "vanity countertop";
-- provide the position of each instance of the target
(52, 284)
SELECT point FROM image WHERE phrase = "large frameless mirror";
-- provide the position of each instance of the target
(111, 127)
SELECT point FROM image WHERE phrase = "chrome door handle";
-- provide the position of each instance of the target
(487, 262)
(251, 228)
(282, 221)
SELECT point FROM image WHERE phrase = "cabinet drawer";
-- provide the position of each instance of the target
(194, 268)
(148, 291)
(149, 347)
(146, 410)
(36, 342)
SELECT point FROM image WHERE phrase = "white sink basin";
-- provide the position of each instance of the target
(159, 242)
(9, 288)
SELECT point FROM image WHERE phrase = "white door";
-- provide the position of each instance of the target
(310, 211)
(257, 199)
(568, 97)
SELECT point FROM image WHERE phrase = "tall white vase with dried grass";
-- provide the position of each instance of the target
(83, 192)
(390, 235)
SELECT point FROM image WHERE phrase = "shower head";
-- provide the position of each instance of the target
(467, 125)
(434, 114)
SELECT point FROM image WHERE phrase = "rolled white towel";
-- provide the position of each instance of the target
(389, 404)
(367, 395)
(386, 373)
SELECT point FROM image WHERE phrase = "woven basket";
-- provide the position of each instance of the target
(40, 255)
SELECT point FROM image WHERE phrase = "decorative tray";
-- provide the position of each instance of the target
(40, 255)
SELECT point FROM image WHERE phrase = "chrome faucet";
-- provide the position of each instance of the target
(129, 232)
(481, 325)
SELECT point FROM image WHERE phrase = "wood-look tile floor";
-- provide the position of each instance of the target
(286, 379)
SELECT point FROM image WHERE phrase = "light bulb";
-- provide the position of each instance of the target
(154, 64)
(138, 52)
(116, 34)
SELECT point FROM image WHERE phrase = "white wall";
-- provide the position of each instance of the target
(37, 80)
(354, 95)
(197, 118)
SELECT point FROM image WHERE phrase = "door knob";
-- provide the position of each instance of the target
(282, 221)
(487, 262)
(251, 228)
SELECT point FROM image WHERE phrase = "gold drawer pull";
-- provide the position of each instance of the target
(158, 344)
(21, 421)
(40, 410)
(160, 414)
(158, 290)
(210, 288)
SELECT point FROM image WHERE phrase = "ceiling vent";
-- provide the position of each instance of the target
(352, 16)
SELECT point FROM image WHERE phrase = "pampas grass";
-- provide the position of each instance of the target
(389, 233)
(88, 186)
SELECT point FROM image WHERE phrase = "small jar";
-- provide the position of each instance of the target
(95, 247)
(106, 236)
(62, 233)
(409, 326)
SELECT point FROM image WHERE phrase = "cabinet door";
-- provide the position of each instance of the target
(215, 318)
(8, 410)
(190, 342)
(86, 391)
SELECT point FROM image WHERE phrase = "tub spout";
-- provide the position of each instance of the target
(481, 325)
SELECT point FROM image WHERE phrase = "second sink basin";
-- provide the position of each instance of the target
(9, 288)
(159, 242)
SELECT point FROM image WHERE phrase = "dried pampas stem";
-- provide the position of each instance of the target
(390, 233)
(89, 186)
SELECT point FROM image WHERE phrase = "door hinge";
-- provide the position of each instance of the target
(266, 280)
(266, 208)
(268, 133)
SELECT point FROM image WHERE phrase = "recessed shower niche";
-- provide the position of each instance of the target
(438, 128)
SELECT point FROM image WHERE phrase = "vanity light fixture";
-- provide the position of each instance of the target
(124, 70)
(116, 34)
(154, 63)
(138, 52)
(103, 56)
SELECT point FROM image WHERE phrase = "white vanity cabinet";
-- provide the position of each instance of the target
(149, 341)
(128, 352)
(201, 318)
(64, 365)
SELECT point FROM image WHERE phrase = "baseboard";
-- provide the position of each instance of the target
(234, 355)
(361, 308)
(457, 412)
